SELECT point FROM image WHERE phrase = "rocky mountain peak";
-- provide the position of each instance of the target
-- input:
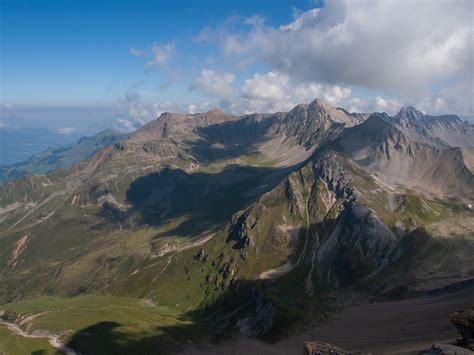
(320, 110)
(321, 104)
(215, 112)
(82, 139)
(409, 113)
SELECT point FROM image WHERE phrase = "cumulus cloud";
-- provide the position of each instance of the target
(214, 84)
(136, 112)
(275, 91)
(192, 108)
(159, 55)
(123, 124)
(269, 92)
(379, 44)
(381, 104)
(402, 48)
(199, 107)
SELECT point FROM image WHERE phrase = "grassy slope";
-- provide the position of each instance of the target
(12, 344)
(114, 324)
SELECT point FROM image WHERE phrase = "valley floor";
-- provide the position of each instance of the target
(401, 327)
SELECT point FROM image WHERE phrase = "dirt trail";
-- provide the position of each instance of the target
(53, 339)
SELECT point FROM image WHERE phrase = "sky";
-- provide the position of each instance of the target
(81, 66)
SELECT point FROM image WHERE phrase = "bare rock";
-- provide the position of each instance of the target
(322, 348)
(464, 323)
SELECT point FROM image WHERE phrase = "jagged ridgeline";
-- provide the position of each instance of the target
(239, 222)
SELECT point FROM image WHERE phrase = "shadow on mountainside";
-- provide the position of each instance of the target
(203, 200)
(231, 139)
(272, 309)
(109, 337)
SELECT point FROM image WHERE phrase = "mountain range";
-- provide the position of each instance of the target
(209, 225)
(55, 158)
(19, 143)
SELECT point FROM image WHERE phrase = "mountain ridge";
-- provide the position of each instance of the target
(249, 223)
(61, 157)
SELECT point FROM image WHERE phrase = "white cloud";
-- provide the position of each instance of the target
(192, 108)
(123, 124)
(356, 104)
(214, 84)
(402, 48)
(136, 112)
(270, 86)
(199, 107)
(275, 91)
(159, 55)
(390, 106)
(66, 130)
(269, 92)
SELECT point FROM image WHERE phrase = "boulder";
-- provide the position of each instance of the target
(464, 323)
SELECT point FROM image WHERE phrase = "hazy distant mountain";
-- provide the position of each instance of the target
(17, 144)
(242, 224)
(62, 157)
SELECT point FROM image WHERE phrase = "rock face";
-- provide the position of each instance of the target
(464, 323)
(359, 245)
(321, 348)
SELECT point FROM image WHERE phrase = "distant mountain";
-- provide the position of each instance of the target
(62, 157)
(380, 146)
(17, 144)
(244, 224)
(447, 130)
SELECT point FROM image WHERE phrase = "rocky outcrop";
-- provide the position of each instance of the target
(464, 323)
(297, 205)
(322, 348)
(240, 228)
(328, 169)
(261, 317)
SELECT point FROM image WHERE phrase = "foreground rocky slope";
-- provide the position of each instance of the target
(248, 223)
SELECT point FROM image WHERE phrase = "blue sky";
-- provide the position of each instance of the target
(76, 52)
(86, 65)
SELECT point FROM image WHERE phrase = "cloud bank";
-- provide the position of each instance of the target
(402, 46)
(419, 51)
